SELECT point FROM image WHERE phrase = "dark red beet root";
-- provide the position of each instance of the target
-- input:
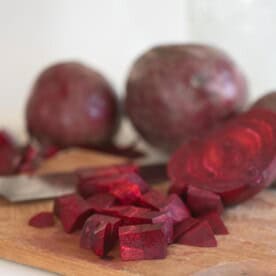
(142, 242)
(125, 187)
(215, 222)
(232, 161)
(183, 226)
(175, 208)
(101, 201)
(9, 154)
(201, 201)
(72, 211)
(100, 234)
(166, 223)
(153, 199)
(176, 92)
(72, 105)
(268, 101)
(42, 220)
(200, 235)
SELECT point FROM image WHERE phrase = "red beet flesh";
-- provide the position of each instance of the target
(215, 222)
(233, 161)
(183, 226)
(201, 201)
(177, 92)
(166, 223)
(101, 201)
(153, 199)
(100, 234)
(72, 211)
(9, 154)
(142, 242)
(71, 105)
(199, 235)
(30, 159)
(42, 220)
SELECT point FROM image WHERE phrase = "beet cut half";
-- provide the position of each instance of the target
(42, 220)
(201, 201)
(73, 211)
(100, 233)
(216, 223)
(142, 242)
(199, 235)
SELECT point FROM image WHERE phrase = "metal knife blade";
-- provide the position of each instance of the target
(26, 188)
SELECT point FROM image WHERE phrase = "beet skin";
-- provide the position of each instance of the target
(179, 91)
(72, 105)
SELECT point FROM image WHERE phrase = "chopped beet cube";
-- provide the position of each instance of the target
(183, 226)
(101, 201)
(202, 201)
(153, 199)
(215, 222)
(42, 220)
(100, 233)
(142, 242)
(106, 171)
(126, 187)
(166, 223)
(176, 208)
(199, 235)
(73, 211)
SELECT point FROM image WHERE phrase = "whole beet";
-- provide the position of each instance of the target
(72, 105)
(268, 101)
(175, 92)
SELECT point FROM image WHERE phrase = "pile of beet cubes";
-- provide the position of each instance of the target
(114, 203)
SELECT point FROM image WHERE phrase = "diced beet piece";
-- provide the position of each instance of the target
(200, 235)
(166, 223)
(153, 199)
(176, 208)
(216, 223)
(101, 201)
(183, 226)
(100, 233)
(106, 171)
(42, 220)
(126, 187)
(30, 159)
(73, 211)
(201, 201)
(142, 242)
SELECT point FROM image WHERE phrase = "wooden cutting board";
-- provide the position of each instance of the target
(250, 249)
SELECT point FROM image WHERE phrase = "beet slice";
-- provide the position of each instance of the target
(176, 208)
(142, 242)
(73, 211)
(101, 201)
(183, 226)
(153, 199)
(201, 201)
(167, 224)
(42, 220)
(200, 235)
(231, 161)
(215, 222)
(100, 233)
(125, 187)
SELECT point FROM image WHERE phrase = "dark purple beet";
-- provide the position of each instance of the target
(175, 92)
(72, 105)
(42, 220)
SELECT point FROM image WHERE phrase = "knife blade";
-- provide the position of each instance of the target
(20, 188)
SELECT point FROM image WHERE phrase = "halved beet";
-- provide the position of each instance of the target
(125, 187)
(176, 208)
(166, 223)
(100, 233)
(201, 201)
(142, 242)
(183, 226)
(42, 220)
(106, 171)
(153, 199)
(199, 235)
(73, 211)
(215, 222)
(231, 161)
(101, 201)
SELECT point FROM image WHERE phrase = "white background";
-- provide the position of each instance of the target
(109, 34)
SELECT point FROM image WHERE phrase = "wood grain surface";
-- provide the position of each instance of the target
(250, 249)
